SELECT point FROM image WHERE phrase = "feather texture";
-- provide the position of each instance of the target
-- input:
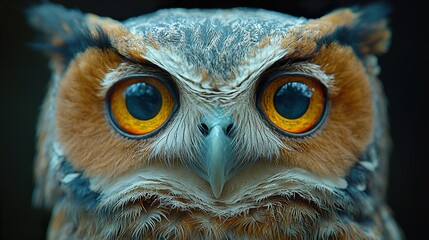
(103, 184)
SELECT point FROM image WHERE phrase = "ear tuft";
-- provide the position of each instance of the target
(365, 29)
(64, 32)
(370, 29)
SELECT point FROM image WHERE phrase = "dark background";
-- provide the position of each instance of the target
(25, 73)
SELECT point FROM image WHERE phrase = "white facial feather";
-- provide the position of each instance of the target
(188, 191)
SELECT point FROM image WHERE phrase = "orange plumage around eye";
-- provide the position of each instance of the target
(294, 103)
(140, 105)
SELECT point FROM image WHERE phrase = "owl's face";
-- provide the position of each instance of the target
(214, 123)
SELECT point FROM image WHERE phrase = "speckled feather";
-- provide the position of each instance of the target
(217, 41)
(102, 185)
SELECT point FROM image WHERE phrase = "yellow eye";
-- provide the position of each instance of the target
(294, 103)
(140, 105)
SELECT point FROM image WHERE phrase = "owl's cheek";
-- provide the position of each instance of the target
(348, 128)
(329, 159)
(332, 151)
(89, 142)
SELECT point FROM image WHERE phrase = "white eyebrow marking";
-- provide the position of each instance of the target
(115, 74)
(314, 70)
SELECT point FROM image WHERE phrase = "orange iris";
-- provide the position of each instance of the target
(294, 103)
(140, 105)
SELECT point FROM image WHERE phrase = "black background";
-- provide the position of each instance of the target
(24, 76)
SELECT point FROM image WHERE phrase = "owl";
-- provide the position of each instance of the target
(214, 124)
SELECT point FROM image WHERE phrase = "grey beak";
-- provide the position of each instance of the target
(218, 151)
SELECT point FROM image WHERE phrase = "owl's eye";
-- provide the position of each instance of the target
(294, 103)
(140, 105)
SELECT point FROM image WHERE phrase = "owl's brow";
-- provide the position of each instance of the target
(287, 61)
(132, 67)
(144, 64)
(301, 64)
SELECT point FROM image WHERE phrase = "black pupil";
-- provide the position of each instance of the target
(292, 99)
(143, 100)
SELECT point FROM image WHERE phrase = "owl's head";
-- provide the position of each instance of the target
(237, 118)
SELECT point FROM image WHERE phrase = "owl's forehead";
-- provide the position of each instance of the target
(221, 43)
(226, 21)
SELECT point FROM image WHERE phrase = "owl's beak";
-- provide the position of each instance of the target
(218, 153)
